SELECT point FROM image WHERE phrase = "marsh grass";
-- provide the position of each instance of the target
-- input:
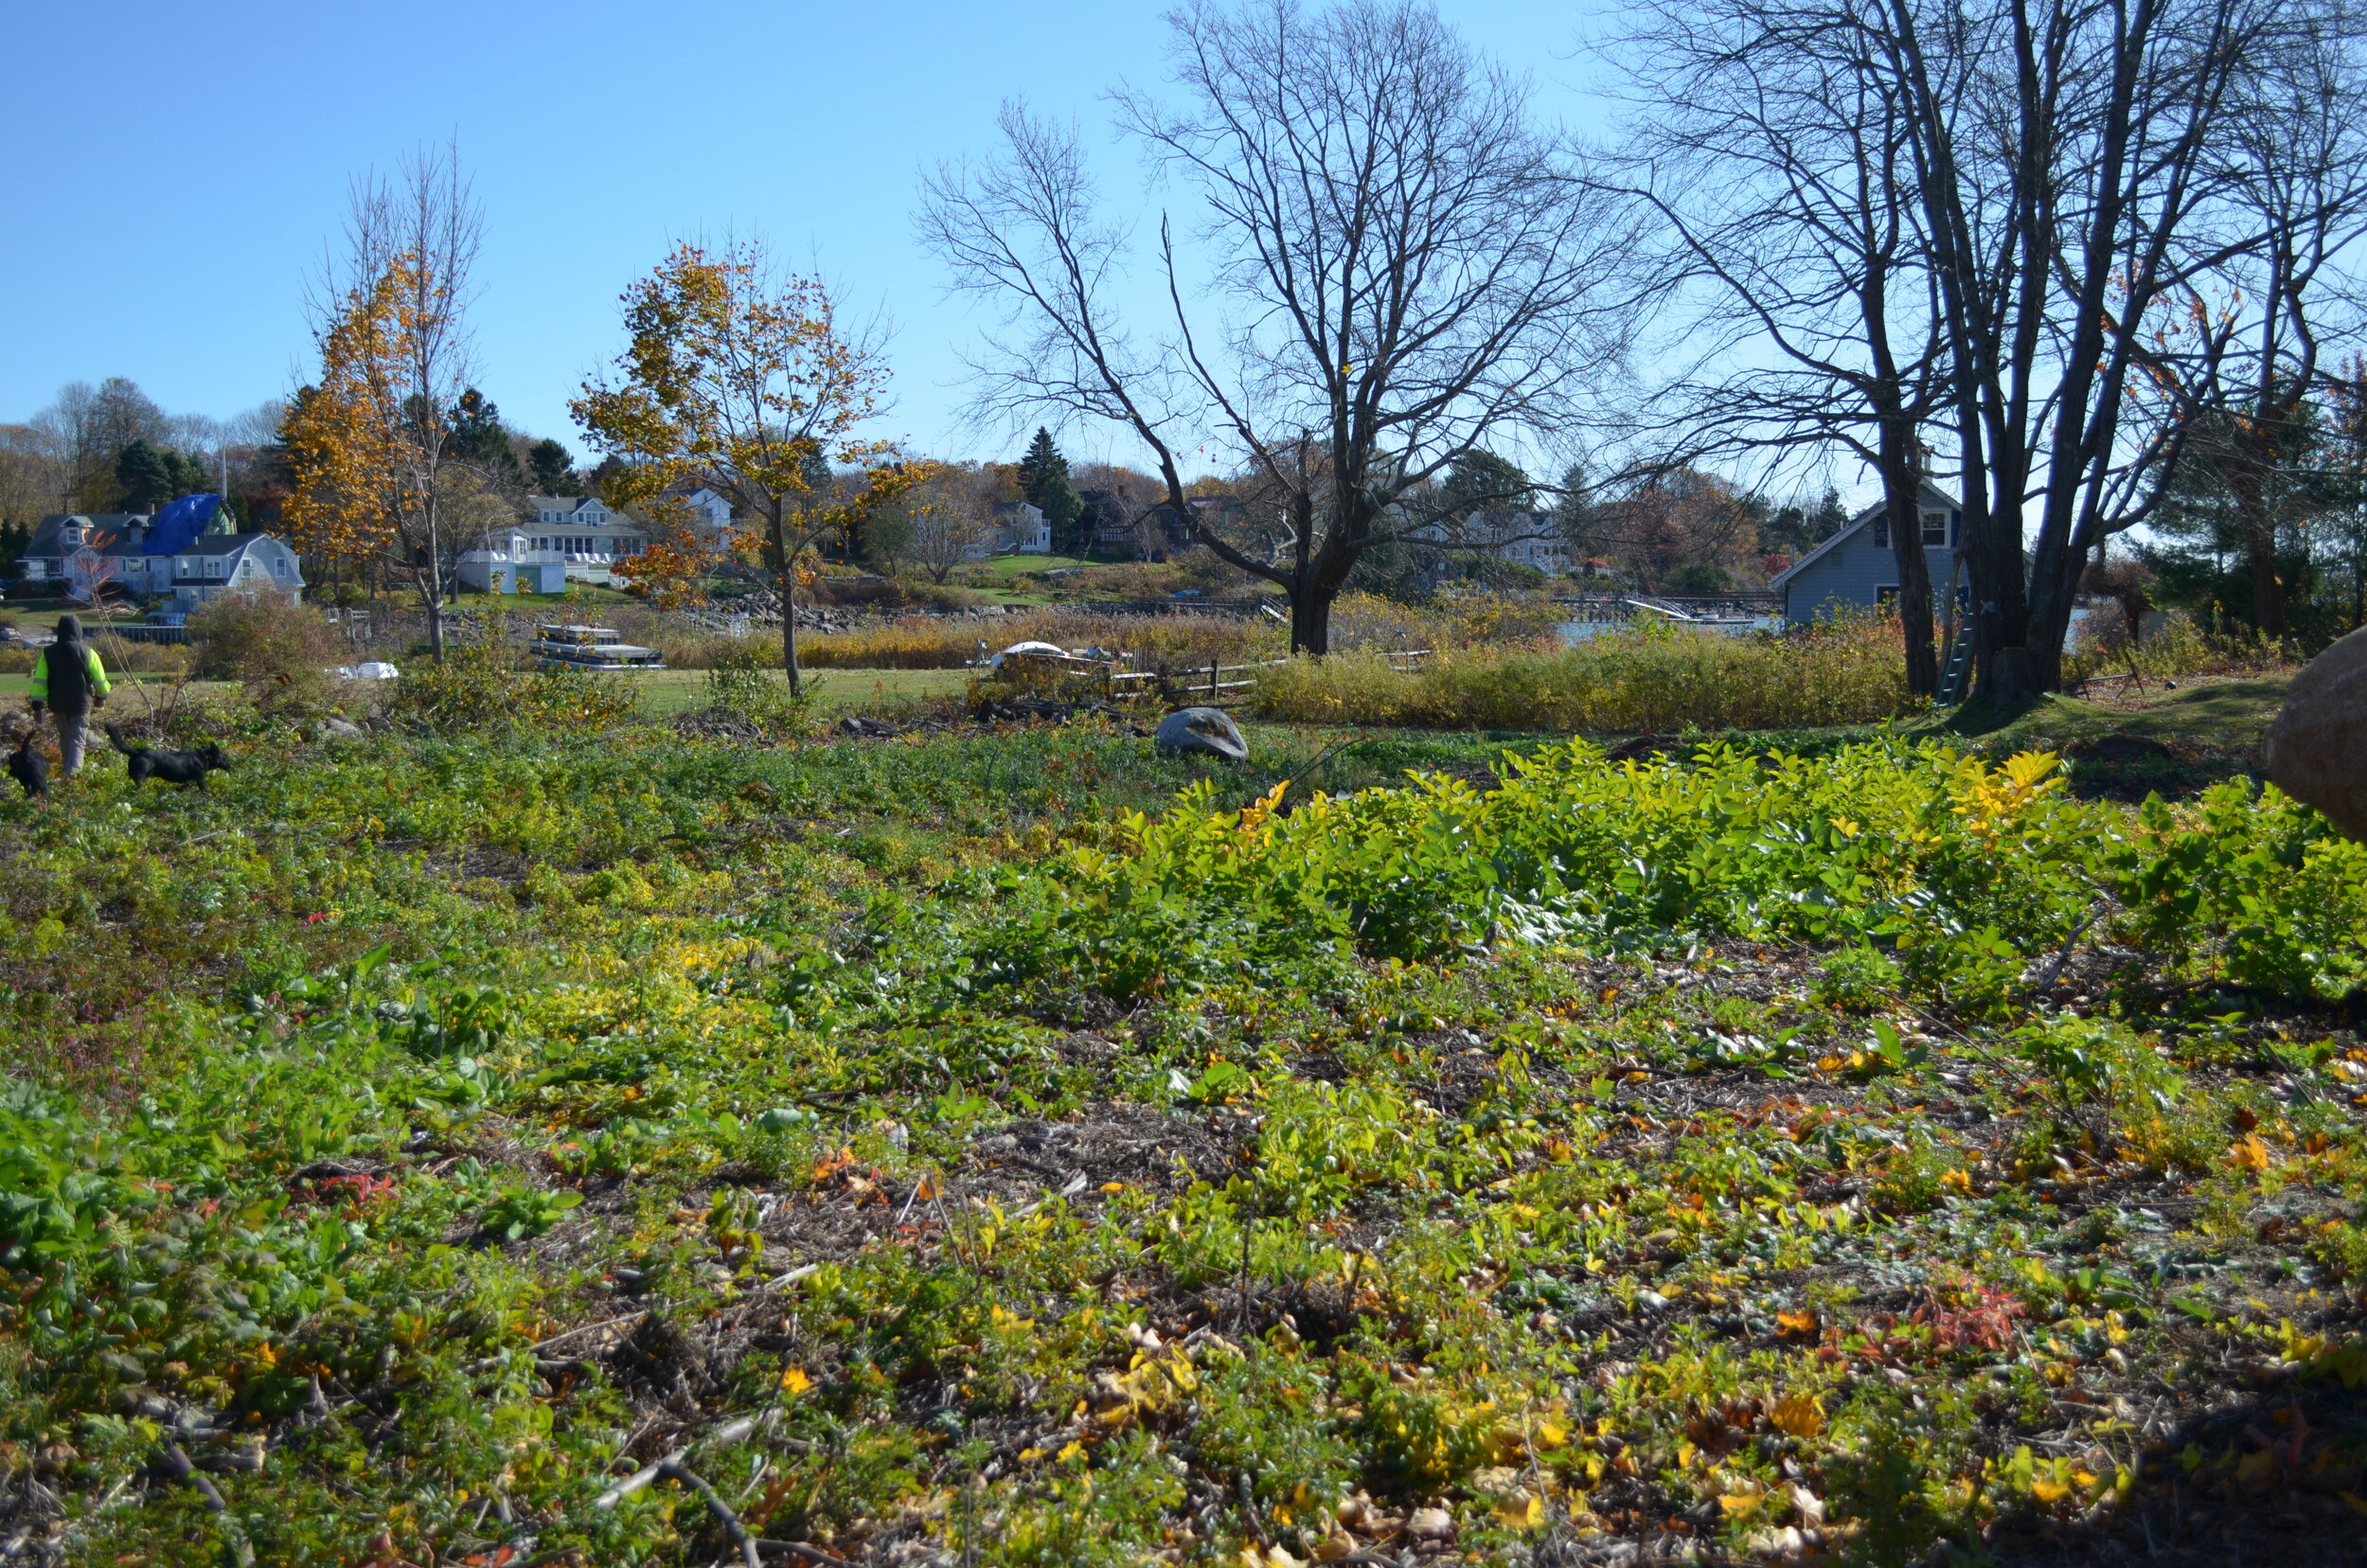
(2181, 647)
(1650, 679)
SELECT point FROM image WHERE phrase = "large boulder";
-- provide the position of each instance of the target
(2317, 749)
(1206, 730)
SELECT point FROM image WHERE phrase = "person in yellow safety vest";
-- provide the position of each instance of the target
(69, 681)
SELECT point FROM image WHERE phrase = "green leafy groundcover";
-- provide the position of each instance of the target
(611, 1150)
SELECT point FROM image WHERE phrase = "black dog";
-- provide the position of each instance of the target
(29, 768)
(173, 767)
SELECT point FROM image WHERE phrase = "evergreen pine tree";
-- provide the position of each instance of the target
(479, 440)
(1063, 514)
(552, 464)
(1044, 479)
(192, 473)
(1040, 467)
(144, 476)
(1831, 517)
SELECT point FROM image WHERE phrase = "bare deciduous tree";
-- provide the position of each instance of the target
(1402, 265)
(1776, 152)
(2075, 171)
(2246, 347)
(951, 522)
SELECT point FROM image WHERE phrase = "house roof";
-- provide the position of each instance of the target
(224, 544)
(106, 528)
(560, 503)
(1850, 530)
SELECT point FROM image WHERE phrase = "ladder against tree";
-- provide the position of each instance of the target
(1959, 670)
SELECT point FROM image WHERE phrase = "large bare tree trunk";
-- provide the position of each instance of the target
(2260, 551)
(1903, 490)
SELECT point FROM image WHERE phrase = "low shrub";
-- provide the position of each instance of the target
(123, 657)
(478, 688)
(2181, 647)
(260, 638)
(1461, 620)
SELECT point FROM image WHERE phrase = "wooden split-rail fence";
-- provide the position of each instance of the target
(1220, 684)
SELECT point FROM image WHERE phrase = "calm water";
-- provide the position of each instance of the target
(1576, 631)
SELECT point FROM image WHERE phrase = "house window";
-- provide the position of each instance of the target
(279, 568)
(1935, 528)
(1886, 595)
(1882, 531)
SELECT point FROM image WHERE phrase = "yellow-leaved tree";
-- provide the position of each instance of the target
(376, 470)
(739, 380)
(342, 499)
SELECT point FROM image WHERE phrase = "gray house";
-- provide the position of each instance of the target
(1855, 569)
(216, 565)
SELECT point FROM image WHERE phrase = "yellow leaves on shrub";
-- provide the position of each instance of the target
(1795, 1324)
(2325, 1355)
(794, 1382)
(1256, 812)
(2052, 1481)
(1991, 799)
(1797, 1415)
(1159, 1378)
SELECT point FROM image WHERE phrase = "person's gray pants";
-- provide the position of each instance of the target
(70, 730)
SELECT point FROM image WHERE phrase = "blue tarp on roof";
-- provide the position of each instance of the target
(177, 527)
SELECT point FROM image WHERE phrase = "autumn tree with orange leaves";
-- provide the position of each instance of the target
(739, 380)
(371, 442)
(341, 505)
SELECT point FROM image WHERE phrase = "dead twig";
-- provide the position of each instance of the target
(730, 1432)
(716, 1505)
(233, 1533)
(799, 1549)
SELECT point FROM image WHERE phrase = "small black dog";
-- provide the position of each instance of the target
(173, 767)
(29, 768)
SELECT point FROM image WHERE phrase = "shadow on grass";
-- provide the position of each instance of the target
(2275, 1478)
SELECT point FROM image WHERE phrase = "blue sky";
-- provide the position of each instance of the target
(177, 170)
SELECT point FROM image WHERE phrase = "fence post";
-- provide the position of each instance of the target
(1212, 682)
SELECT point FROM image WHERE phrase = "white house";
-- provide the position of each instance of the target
(215, 564)
(80, 552)
(144, 556)
(1524, 537)
(1020, 529)
(1857, 568)
(1532, 538)
(714, 512)
(507, 561)
(578, 532)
